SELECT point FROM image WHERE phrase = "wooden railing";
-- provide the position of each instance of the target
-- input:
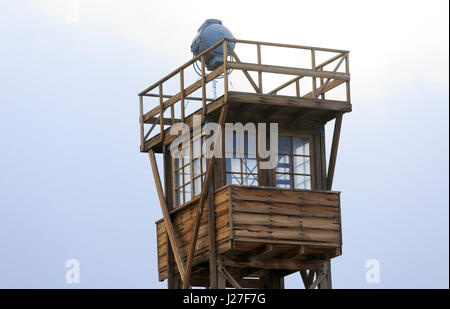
(316, 72)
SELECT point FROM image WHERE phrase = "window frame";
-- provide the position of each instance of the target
(291, 157)
(192, 178)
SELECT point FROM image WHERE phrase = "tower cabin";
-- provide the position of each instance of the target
(226, 221)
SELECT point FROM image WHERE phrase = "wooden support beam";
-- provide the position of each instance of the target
(203, 85)
(318, 280)
(205, 185)
(331, 85)
(334, 149)
(289, 82)
(250, 79)
(329, 79)
(258, 56)
(229, 277)
(287, 70)
(212, 238)
(273, 263)
(166, 215)
(166, 121)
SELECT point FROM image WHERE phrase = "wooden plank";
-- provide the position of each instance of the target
(287, 70)
(247, 75)
(271, 232)
(334, 149)
(332, 50)
(285, 221)
(205, 185)
(258, 56)
(229, 277)
(289, 82)
(274, 263)
(303, 102)
(165, 211)
(318, 280)
(212, 239)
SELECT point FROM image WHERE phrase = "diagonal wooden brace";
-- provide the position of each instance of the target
(167, 219)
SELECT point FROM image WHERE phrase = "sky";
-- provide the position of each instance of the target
(73, 184)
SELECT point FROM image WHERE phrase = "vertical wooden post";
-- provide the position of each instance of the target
(167, 191)
(221, 281)
(141, 120)
(203, 85)
(225, 72)
(260, 85)
(313, 65)
(212, 238)
(297, 87)
(161, 112)
(347, 83)
(334, 149)
(182, 95)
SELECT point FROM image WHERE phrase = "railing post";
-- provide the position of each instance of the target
(297, 87)
(322, 94)
(182, 95)
(161, 112)
(202, 58)
(258, 50)
(141, 120)
(347, 83)
(225, 73)
(313, 65)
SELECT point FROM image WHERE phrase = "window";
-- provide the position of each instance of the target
(182, 172)
(189, 171)
(294, 163)
(241, 164)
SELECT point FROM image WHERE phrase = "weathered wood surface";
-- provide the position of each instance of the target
(182, 225)
(261, 226)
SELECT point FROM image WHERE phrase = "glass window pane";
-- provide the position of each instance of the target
(302, 165)
(178, 197)
(250, 180)
(229, 146)
(284, 145)
(233, 165)
(179, 178)
(283, 165)
(197, 186)
(187, 174)
(186, 153)
(249, 166)
(283, 180)
(187, 193)
(177, 163)
(196, 148)
(196, 165)
(234, 179)
(301, 146)
(250, 144)
(302, 182)
(204, 166)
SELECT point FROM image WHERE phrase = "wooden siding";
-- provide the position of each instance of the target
(305, 221)
(182, 222)
(285, 216)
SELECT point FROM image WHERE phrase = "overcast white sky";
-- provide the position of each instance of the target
(73, 184)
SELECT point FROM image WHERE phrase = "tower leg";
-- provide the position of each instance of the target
(326, 282)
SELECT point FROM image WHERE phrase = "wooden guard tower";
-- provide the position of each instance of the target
(227, 223)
